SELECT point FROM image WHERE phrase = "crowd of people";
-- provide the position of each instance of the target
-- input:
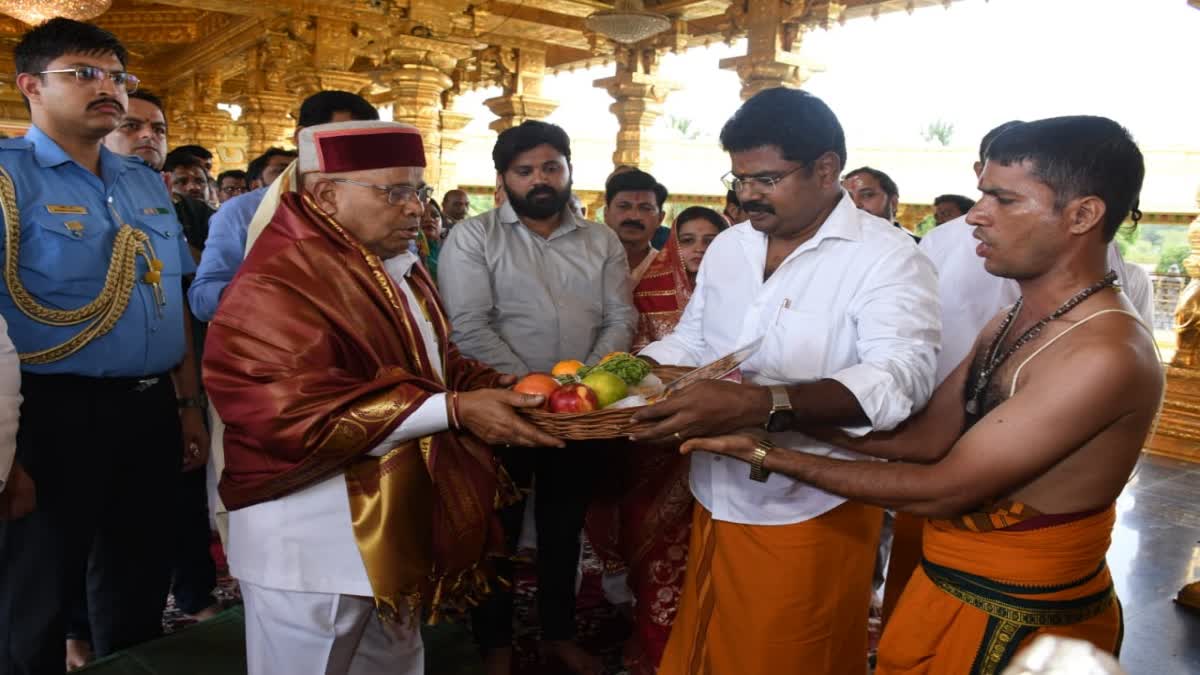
(317, 356)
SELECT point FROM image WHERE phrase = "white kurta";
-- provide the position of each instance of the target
(970, 296)
(10, 402)
(304, 541)
(857, 303)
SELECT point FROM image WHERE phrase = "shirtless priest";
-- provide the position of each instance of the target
(360, 486)
(1020, 455)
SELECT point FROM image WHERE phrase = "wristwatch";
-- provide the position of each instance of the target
(781, 415)
(757, 472)
(197, 402)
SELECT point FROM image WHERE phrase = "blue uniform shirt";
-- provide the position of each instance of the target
(67, 233)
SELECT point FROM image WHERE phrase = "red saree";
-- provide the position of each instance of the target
(645, 526)
(312, 360)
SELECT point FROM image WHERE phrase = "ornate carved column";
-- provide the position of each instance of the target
(267, 101)
(453, 123)
(773, 34)
(332, 46)
(520, 72)
(210, 127)
(640, 95)
(417, 72)
(1178, 432)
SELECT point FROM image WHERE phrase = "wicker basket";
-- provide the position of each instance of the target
(598, 424)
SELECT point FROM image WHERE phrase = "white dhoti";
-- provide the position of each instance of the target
(300, 633)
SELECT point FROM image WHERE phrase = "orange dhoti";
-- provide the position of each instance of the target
(769, 599)
(904, 559)
(979, 597)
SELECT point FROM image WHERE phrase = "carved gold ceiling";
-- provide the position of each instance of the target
(171, 39)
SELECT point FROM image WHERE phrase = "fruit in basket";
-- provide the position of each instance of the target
(573, 398)
(568, 367)
(537, 384)
(609, 388)
(612, 355)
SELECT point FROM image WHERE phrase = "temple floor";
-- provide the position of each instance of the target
(1155, 550)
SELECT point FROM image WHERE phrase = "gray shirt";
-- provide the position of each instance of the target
(521, 303)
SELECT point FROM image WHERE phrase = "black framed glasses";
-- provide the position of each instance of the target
(95, 75)
(395, 193)
(764, 183)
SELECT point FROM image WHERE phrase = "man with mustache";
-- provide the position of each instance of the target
(633, 208)
(186, 175)
(527, 285)
(112, 409)
(846, 309)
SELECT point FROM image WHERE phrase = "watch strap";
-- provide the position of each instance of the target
(761, 450)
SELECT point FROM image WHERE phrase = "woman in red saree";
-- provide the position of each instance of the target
(644, 528)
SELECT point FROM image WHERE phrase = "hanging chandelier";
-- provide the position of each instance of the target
(627, 22)
(34, 12)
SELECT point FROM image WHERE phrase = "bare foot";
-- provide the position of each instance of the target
(79, 653)
(574, 657)
(207, 613)
(498, 661)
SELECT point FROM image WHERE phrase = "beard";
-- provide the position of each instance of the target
(541, 202)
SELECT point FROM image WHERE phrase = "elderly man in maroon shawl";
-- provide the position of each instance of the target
(361, 487)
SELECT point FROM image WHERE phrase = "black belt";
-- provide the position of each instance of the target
(99, 384)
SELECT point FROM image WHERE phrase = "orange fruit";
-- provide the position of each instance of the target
(611, 355)
(537, 384)
(568, 367)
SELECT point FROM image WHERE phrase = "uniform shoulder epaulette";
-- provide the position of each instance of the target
(20, 143)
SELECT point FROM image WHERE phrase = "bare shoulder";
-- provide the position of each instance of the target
(1114, 357)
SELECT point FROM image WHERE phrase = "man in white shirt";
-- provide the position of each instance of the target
(779, 574)
(360, 494)
(17, 494)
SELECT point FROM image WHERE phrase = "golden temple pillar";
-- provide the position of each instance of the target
(211, 127)
(773, 35)
(521, 74)
(267, 101)
(417, 72)
(1178, 431)
(452, 125)
(640, 94)
(331, 47)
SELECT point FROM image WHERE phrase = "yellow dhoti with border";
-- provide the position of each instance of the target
(770, 599)
(982, 593)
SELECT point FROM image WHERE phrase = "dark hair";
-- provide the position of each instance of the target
(320, 107)
(964, 204)
(255, 168)
(796, 122)
(176, 159)
(885, 181)
(148, 97)
(527, 136)
(634, 180)
(437, 208)
(991, 136)
(194, 150)
(732, 198)
(700, 213)
(236, 174)
(41, 45)
(1079, 156)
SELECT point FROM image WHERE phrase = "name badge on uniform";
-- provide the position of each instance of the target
(74, 227)
(63, 208)
(155, 211)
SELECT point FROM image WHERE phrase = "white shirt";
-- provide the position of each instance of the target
(857, 303)
(10, 402)
(305, 541)
(970, 296)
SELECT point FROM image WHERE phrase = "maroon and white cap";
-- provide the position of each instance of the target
(359, 146)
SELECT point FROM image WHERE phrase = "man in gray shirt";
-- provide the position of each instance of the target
(525, 286)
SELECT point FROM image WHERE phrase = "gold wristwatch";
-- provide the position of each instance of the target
(780, 417)
(757, 472)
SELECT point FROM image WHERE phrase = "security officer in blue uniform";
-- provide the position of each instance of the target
(93, 257)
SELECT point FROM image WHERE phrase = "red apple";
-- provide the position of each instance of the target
(573, 398)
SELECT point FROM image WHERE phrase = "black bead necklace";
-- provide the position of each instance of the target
(994, 360)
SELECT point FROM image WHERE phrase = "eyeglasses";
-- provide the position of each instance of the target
(395, 193)
(93, 75)
(234, 189)
(763, 183)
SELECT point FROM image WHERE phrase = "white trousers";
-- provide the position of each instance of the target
(295, 633)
